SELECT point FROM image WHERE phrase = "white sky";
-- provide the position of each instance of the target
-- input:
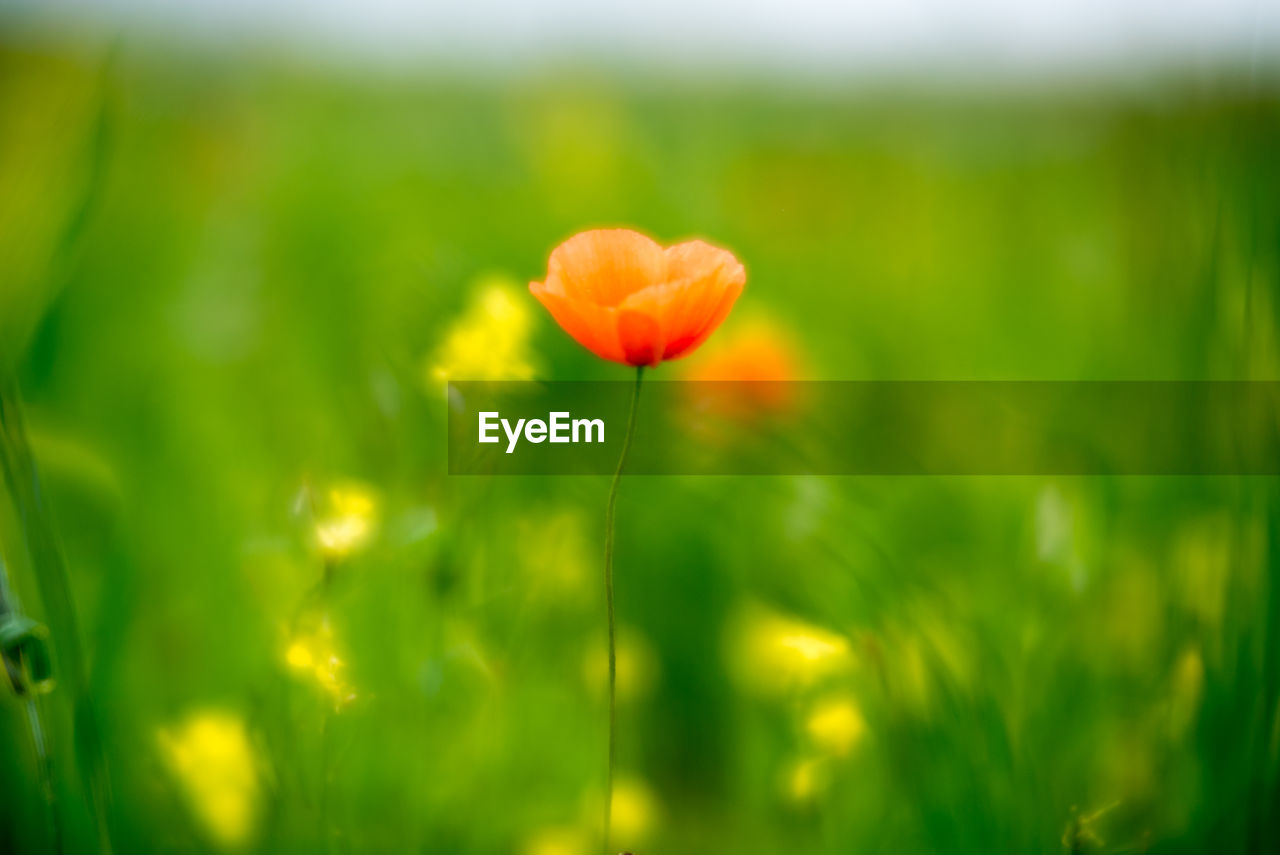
(1074, 34)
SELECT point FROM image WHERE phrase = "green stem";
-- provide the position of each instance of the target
(23, 482)
(608, 591)
(28, 680)
(45, 771)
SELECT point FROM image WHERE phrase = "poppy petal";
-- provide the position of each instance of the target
(605, 266)
(641, 338)
(697, 260)
(590, 325)
(707, 273)
(628, 300)
(685, 346)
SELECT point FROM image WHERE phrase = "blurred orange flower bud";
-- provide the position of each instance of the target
(626, 299)
(754, 371)
(757, 352)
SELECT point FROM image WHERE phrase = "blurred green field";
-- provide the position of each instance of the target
(231, 287)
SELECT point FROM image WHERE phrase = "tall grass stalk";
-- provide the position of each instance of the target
(27, 683)
(22, 480)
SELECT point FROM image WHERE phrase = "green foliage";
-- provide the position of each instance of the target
(300, 635)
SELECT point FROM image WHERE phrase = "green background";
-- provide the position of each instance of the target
(227, 279)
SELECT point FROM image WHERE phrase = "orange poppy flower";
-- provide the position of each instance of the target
(626, 299)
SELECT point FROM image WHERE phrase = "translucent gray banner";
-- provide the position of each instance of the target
(867, 428)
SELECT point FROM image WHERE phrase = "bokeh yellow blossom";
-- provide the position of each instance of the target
(835, 725)
(346, 518)
(634, 813)
(636, 661)
(772, 653)
(490, 341)
(556, 841)
(805, 780)
(210, 755)
(313, 656)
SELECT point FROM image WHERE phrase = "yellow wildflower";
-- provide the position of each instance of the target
(345, 519)
(491, 339)
(636, 662)
(836, 725)
(634, 812)
(805, 780)
(210, 755)
(556, 841)
(314, 656)
(773, 653)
